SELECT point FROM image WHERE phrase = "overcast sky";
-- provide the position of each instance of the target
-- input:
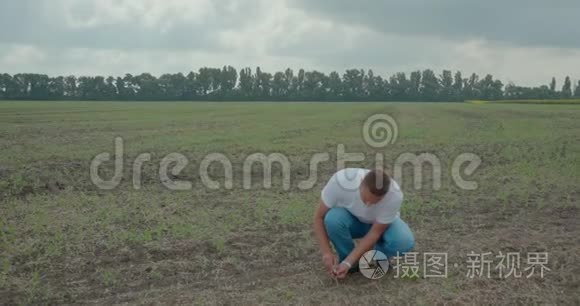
(524, 41)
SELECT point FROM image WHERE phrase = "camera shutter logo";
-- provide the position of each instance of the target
(373, 264)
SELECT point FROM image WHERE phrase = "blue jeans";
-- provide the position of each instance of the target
(341, 227)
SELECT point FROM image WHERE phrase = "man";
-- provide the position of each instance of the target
(359, 203)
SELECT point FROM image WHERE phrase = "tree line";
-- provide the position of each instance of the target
(227, 84)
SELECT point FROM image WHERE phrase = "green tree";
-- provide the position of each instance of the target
(147, 87)
(290, 81)
(84, 87)
(315, 84)
(415, 86)
(429, 85)
(172, 86)
(279, 85)
(23, 86)
(352, 81)
(334, 86)
(191, 87)
(8, 87)
(512, 91)
(567, 88)
(490, 89)
(374, 86)
(204, 78)
(577, 90)
(400, 87)
(257, 90)
(246, 83)
(56, 88)
(553, 88)
(446, 82)
(99, 88)
(229, 77)
(110, 90)
(216, 82)
(131, 86)
(121, 88)
(262, 84)
(225, 83)
(458, 87)
(299, 84)
(38, 86)
(471, 88)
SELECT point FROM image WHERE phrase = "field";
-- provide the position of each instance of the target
(530, 101)
(63, 240)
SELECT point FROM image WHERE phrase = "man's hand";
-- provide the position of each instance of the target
(328, 257)
(329, 261)
(341, 270)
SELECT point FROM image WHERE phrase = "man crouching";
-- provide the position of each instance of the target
(360, 203)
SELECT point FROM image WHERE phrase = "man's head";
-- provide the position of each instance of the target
(374, 186)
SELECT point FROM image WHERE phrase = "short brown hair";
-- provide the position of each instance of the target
(378, 182)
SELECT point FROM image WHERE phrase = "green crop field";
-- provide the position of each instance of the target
(530, 101)
(63, 240)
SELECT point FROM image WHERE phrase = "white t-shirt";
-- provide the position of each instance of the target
(342, 190)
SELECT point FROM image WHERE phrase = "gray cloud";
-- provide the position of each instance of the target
(61, 23)
(519, 22)
(524, 41)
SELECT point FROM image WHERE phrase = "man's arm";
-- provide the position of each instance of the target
(320, 232)
(381, 224)
(367, 243)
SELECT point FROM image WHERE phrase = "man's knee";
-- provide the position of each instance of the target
(402, 243)
(336, 218)
(407, 244)
(399, 238)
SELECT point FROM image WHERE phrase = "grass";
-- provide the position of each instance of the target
(109, 278)
(62, 240)
(529, 101)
